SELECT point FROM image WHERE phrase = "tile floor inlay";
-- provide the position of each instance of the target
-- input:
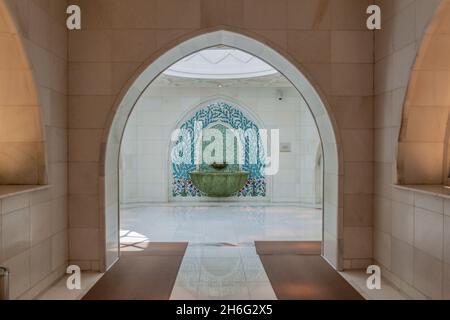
(221, 260)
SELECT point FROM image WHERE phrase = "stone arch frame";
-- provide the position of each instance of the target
(332, 245)
(22, 135)
(423, 142)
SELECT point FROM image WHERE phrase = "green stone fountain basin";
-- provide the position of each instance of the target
(219, 184)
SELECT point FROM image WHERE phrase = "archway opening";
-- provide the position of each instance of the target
(302, 87)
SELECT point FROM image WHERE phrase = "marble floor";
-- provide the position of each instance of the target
(356, 278)
(221, 260)
(212, 225)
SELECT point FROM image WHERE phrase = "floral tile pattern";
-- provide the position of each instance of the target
(218, 113)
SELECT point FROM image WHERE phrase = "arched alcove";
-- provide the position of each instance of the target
(109, 176)
(22, 158)
(423, 141)
(231, 116)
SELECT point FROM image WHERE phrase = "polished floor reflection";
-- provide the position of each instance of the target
(222, 273)
(221, 260)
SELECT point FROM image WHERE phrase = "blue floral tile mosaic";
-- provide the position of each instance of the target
(219, 113)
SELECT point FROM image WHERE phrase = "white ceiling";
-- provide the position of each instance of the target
(220, 63)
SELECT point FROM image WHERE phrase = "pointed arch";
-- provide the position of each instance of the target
(109, 177)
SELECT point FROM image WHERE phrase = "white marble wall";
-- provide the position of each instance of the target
(145, 171)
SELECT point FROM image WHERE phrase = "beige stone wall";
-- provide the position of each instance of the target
(328, 39)
(33, 226)
(411, 229)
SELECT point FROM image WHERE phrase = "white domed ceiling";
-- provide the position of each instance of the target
(220, 63)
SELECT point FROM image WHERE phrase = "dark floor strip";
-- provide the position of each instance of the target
(296, 273)
(153, 249)
(145, 274)
(288, 247)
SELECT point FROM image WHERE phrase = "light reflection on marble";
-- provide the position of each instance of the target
(221, 260)
(225, 273)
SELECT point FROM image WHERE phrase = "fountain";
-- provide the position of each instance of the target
(219, 180)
